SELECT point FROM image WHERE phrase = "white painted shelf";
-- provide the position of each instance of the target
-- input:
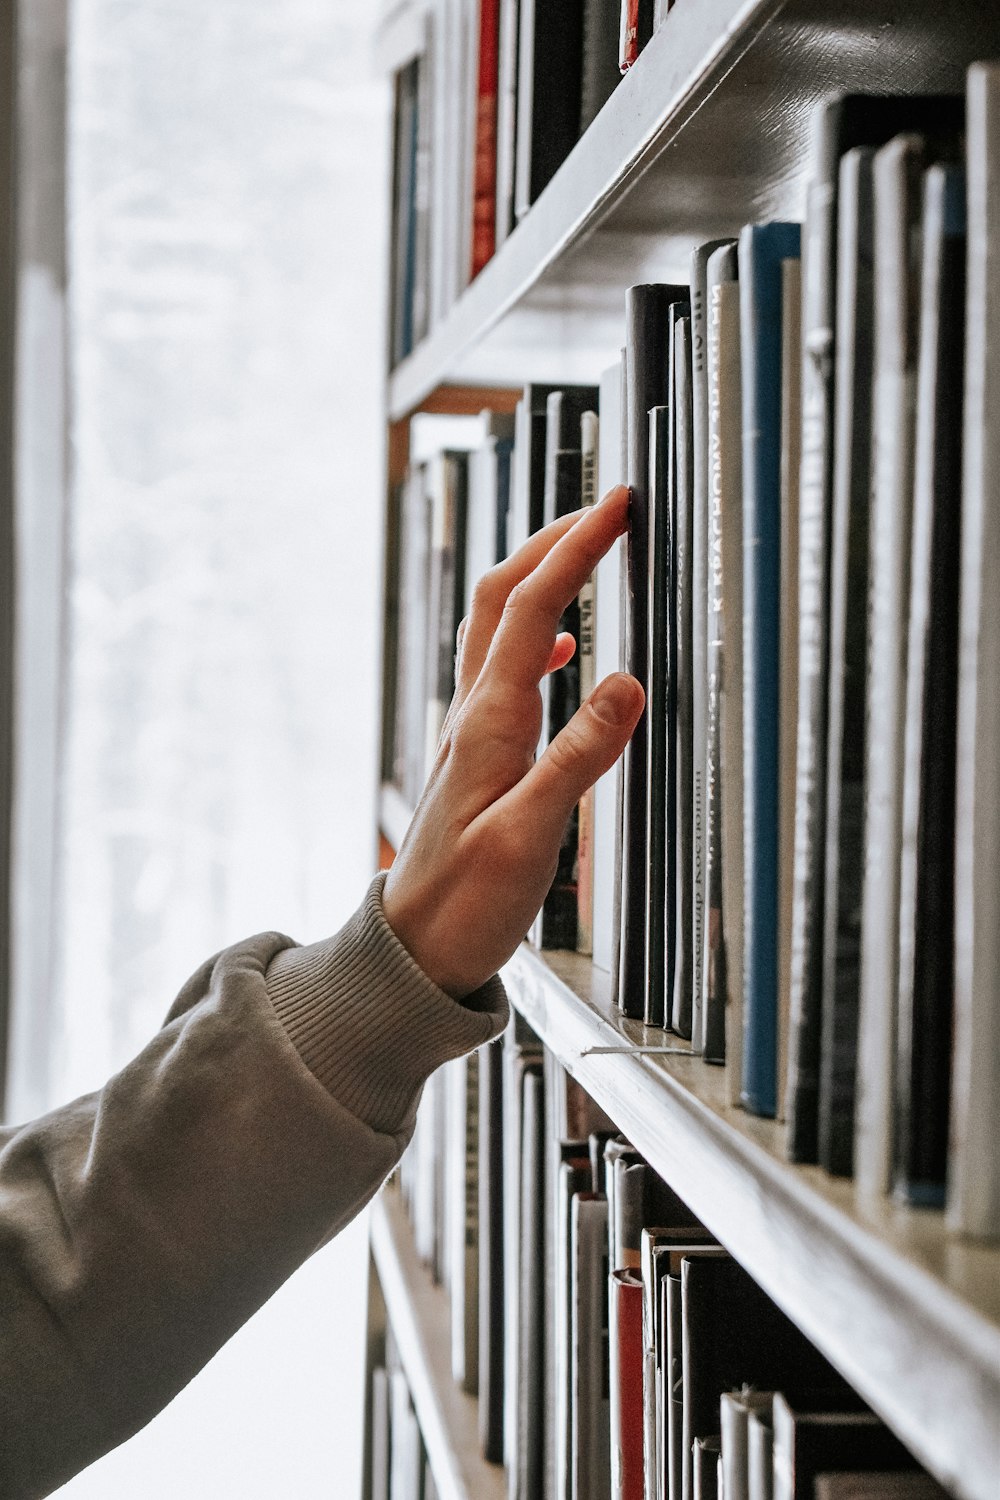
(420, 1317)
(908, 1314)
(708, 131)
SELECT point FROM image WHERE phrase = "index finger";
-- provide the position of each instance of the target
(522, 644)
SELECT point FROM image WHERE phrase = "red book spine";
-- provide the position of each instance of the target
(484, 184)
(628, 49)
(627, 1480)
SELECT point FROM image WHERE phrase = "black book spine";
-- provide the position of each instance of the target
(646, 316)
(927, 866)
(549, 93)
(851, 492)
(680, 998)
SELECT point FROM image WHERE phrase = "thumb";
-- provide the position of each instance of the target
(582, 751)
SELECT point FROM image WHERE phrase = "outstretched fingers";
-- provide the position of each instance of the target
(581, 752)
(492, 594)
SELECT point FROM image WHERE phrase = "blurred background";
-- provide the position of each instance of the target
(198, 492)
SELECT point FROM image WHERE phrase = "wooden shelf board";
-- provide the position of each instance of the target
(908, 1314)
(710, 130)
(420, 1317)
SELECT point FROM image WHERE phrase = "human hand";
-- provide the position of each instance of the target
(481, 851)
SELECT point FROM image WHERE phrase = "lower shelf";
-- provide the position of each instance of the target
(909, 1315)
(420, 1316)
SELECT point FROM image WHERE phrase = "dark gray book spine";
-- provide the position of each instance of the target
(680, 999)
(848, 662)
(646, 315)
(924, 1023)
(491, 1252)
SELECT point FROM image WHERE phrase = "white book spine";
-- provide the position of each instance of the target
(974, 1162)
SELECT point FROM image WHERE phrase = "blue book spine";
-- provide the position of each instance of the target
(762, 248)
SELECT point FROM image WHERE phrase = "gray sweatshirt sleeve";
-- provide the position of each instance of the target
(142, 1225)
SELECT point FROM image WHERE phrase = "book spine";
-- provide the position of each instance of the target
(587, 603)
(506, 119)
(590, 1419)
(722, 269)
(600, 59)
(724, 1028)
(625, 1339)
(805, 980)
(923, 1037)
(762, 250)
(607, 657)
(660, 668)
(850, 499)
(791, 436)
(635, 31)
(646, 313)
(550, 75)
(484, 188)
(680, 999)
(974, 1166)
(491, 1252)
(897, 170)
(699, 620)
(525, 1477)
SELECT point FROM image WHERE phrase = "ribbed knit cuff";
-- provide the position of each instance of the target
(367, 1021)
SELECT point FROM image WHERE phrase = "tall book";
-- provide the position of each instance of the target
(626, 1386)
(724, 458)
(522, 1055)
(506, 119)
(926, 884)
(447, 483)
(760, 1456)
(550, 75)
(699, 624)
(679, 999)
(462, 1216)
(646, 315)
(526, 1474)
(659, 857)
(491, 1251)
(587, 654)
(600, 58)
(763, 249)
(484, 182)
(734, 1418)
(854, 120)
(791, 444)
(607, 658)
(590, 1413)
(557, 927)
(974, 1165)
(898, 186)
(850, 502)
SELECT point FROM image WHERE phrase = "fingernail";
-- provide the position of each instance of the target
(616, 699)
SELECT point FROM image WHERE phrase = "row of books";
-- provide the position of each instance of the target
(484, 115)
(617, 1350)
(826, 928)
(794, 871)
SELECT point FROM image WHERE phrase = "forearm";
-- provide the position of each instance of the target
(140, 1226)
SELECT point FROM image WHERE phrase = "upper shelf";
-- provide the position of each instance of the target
(709, 131)
(909, 1315)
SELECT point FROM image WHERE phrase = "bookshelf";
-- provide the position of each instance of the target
(709, 131)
